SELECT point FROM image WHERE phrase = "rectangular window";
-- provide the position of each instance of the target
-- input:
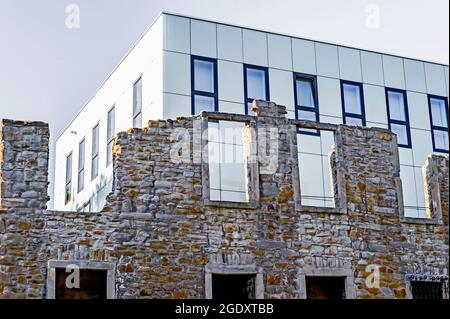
(204, 85)
(95, 149)
(111, 130)
(68, 192)
(227, 168)
(306, 105)
(353, 103)
(137, 103)
(398, 117)
(427, 290)
(256, 83)
(81, 160)
(439, 122)
(325, 288)
(234, 287)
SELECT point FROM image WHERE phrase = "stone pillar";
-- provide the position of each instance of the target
(24, 153)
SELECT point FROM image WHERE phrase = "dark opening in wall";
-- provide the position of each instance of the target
(92, 285)
(325, 287)
(234, 287)
(426, 290)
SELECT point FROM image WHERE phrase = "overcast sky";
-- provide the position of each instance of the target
(48, 71)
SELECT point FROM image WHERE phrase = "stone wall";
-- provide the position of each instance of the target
(164, 237)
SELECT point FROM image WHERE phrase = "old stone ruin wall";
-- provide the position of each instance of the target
(162, 237)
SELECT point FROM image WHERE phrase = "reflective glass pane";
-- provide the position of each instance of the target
(305, 93)
(306, 115)
(204, 76)
(81, 155)
(137, 97)
(80, 180)
(352, 99)
(397, 106)
(441, 140)
(401, 132)
(438, 112)
(69, 168)
(256, 84)
(204, 103)
(353, 121)
(111, 124)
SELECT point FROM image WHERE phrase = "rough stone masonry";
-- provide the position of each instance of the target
(160, 236)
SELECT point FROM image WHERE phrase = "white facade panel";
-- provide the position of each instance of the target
(415, 76)
(231, 81)
(375, 104)
(304, 56)
(406, 156)
(419, 114)
(282, 88)
(255, 48)
(177, 34)
(422, 146)
(327, 60)
(177, 73)
(394, 75)
(203, 39)
(329, 96)
(350, 64)
(435, 75)
(309, 144)
(176, 105)
(372, 68)
(280, 52)
(230, 43)
(231, 107)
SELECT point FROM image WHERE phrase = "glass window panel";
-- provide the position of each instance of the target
(80, 180)
(214, 194)
(231, 132)
(311, 178)
(81, 155)
(401, 132)
(305, 93)
(228, 196)
(306, 115)
(397, 106)
(204, 103)
(256, 84)
(137, 97)
(204, 76)
(213, 132)
(438, 112)
(441, 140)
(214, 176)
(353, 121)
(232, 177)
(95, 141)
(137, 121)
(69, 168)
(94, 167)
(352, 99)
(109, 153)
(111, 124)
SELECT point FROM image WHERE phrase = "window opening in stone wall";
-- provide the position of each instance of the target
(227, 165)
(315, 169)
(325, 287)
(241, 287)
(427, 290)
(92, 284)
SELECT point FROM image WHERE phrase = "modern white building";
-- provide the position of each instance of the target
(183, 65)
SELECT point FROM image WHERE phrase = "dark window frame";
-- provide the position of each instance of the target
(68, 182)
(435, 127)
(139, 113)
(195, 93)
(110, 139)
(95, 155)
(405, 123)
(313, 80)
(345, 114)
(81, 168)
(248, 100)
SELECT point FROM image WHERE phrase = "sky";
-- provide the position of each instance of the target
(48, 70)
